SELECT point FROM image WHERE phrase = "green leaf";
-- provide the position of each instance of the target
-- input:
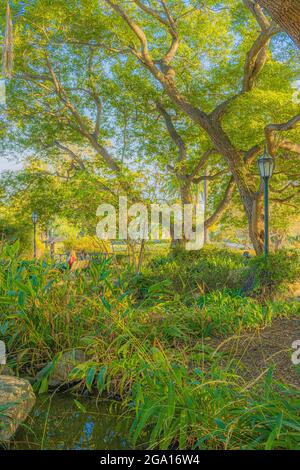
(183, 430)
(90, 377)
(44, 386)
(101, 378)
(80, 406)
(274, 434)
(106, 304)
(21, 298)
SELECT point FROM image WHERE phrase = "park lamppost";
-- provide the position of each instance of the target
(34, 218)
(266, 167)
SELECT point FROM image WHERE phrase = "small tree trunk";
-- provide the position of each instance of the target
(186, 198)
(185, 193)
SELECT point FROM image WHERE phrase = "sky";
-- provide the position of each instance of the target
(7, 163)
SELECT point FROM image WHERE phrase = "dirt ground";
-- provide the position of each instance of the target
(272, 346)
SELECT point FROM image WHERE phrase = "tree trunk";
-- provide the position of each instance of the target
(186, 198)
(250, 198)
(254, 211)
(287, 14)
(185, 192)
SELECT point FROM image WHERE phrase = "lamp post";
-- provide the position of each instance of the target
(34, 219)
(266, 167)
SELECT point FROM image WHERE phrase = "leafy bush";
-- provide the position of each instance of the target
(189, 273)
(271, 275)
(228, 313)
(144, 341)
(214, 410)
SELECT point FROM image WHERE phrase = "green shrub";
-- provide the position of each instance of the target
(192, 272)
(145, 343)
(269, 276)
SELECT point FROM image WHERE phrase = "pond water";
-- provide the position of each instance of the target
(56, 423)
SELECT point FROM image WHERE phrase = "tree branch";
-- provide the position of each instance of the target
(150, 11)
(210, 177)
(201, 163)
(290, 146)
(173, 31)
(270, 133)
(286, 199)
(257, 56)
(169, 23)
(258, 13)
(135, 29)
(287, 14)
(223, 204)
(290, 184)
(253, 153)
(177, 139)
(91, 137)
(72, 154)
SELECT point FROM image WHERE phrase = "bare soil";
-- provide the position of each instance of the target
(257, 351)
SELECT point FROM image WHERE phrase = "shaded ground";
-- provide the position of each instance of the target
(272, 346)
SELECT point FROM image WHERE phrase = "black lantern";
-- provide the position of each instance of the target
(34, 218)
(266, 165)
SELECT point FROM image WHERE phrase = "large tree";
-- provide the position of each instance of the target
(63, 98)
(164, 19)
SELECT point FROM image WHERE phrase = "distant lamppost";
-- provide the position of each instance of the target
(266, 167)
(34, 219)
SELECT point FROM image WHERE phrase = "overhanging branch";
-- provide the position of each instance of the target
(223, 204)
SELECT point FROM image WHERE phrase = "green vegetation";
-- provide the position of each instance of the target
(95, 118)
(149, 344)
(167, 101)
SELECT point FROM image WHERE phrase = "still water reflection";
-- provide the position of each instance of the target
(57, 423)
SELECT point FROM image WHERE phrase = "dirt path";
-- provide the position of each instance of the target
(271, 346)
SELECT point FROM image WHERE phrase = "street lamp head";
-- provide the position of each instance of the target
(34, 218)
(266, 165)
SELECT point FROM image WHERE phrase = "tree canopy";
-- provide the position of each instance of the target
(103, 90)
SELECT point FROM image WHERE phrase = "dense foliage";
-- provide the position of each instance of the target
(150, 343)
(91, 115)
(162, 101)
